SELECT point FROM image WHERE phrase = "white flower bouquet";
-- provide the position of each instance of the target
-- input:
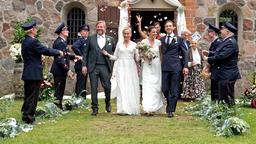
(15, 52)
(145, 52)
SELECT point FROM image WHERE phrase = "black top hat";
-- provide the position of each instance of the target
(230, 27)
(214, 28)
(84, 27)
(60, 28)
(29, 25)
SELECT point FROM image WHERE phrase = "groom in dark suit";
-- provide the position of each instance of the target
(172, 66)
(98, 65)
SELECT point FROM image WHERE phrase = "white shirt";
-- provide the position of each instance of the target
(101, 39)
(171, 37)
(196, 56)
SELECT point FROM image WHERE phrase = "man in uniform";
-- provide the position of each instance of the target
(60, 67)
(225, 58)
(32, 51)
(215, 43)
(78, 47)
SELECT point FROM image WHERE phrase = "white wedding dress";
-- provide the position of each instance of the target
(124, 80)
(152, 99)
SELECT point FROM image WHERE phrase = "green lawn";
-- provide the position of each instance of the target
(78, 127)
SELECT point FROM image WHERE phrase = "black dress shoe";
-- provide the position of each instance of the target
(28, 119)
(170, 115)
(108, 107)
(94, 112)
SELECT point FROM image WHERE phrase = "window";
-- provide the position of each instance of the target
(228, 16)
(75, 18)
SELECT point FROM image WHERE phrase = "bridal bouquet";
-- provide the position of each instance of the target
(145, 51)
(15, 52)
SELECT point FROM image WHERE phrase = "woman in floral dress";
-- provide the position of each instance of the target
(194, 86)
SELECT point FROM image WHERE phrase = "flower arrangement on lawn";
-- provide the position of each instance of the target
(145, 52)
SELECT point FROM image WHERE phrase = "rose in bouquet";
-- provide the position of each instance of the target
(145, 52)
(15, 52)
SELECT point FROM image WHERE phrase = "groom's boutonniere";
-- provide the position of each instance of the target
(175, 39)
(108, 41)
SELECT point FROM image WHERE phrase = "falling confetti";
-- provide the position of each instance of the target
(165, 18)
(150, 22)
(155, 16)
(134, 32)
(160, 19)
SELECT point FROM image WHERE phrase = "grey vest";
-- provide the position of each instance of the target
(100, 57)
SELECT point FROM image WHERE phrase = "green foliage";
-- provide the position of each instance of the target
(74, 103)
(5, 104)
(19, 33)
(11, 128)
(49, 110)
(223, 119)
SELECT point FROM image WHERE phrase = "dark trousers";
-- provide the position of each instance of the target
(170, 89)
(59, 84)
(31, 93)
(81, 81)
(214, 90)
(226, 91)
(100, 72)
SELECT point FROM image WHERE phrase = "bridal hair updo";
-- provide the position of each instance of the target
(127, 28)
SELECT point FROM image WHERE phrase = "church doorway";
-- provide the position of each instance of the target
(149, 17)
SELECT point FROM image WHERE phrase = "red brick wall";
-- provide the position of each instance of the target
(190, 13)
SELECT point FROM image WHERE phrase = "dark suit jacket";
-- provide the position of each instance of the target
(185, 48)
(214, 45)
(60, 65)
(79, 47)
(91, 53)
(32, 51)
(171, 53)
(225, 58)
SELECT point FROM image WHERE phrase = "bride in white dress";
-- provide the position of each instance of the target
(151, 77)
(125, 81)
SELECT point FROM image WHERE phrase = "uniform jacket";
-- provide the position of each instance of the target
(214, 45)
(60, 65)
(225, 59)
(79, 47)
(32, 50)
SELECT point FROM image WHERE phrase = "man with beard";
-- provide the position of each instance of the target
(98, 65)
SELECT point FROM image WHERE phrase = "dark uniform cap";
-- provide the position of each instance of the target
(60, 28)
(84, 27)
(29, 25)
(214, 28)
(230, 27)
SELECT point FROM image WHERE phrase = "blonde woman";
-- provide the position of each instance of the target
(125, 76)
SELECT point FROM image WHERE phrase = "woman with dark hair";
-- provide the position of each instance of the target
(151, 75)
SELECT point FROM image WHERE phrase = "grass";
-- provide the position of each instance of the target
(78, 127)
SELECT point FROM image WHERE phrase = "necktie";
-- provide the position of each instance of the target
(168, 39)
(186, 44)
